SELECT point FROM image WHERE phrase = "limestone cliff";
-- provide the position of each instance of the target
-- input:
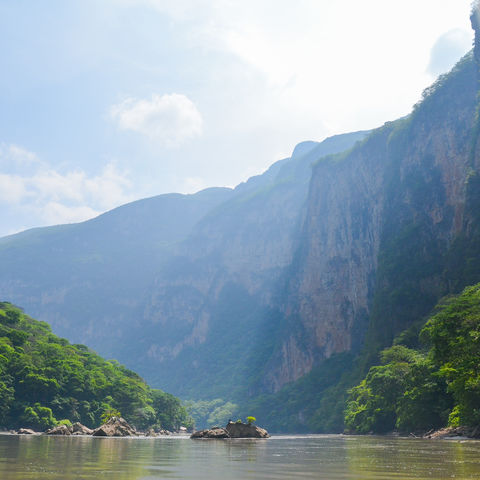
(222, 284)
(380, 225)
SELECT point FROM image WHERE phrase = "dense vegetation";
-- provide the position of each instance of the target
(208, 413)
(434, 385)
(45, 380)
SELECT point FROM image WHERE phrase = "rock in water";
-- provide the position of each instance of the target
(26, 431)
(232, 430)
(245, 430)
(78, 429)
(115, 427)
(215, 432)
(59, 430)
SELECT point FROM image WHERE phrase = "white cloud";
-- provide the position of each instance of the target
(193, 185)
(18, 154)
(57, 213)
(447, 50)
(16, 159)
(12, 189)
(322, 62)
(55, 197)
(168, 119)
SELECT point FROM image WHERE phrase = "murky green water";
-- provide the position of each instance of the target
(295, 457)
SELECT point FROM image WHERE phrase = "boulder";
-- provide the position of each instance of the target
(115, 427)
(26, 431)
(78, 429)
(59, 430)
(245, 430)
(215, 432)
(453, 432)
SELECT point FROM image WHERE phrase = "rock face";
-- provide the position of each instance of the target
(232, 430)
(223, 280)
(381, 225)
(115, 427)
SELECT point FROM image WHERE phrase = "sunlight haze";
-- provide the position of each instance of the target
(107, 102)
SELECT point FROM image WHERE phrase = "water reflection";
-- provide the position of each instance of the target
(303, 457)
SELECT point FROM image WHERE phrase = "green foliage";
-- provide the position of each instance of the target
(251, 420)
(42, 377)
(413, 391)
(65, 421)
(38, 417)
(454, 333)
(309, 403)
(169, 412)
(207, 413)
(108, 414)
(404, 394)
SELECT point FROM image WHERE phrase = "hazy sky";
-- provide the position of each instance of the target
(106, 101)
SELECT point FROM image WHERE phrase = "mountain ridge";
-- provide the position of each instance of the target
(311, 268)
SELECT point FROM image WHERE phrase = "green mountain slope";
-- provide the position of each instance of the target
(143, 282)
(44, 379)
(84, 279)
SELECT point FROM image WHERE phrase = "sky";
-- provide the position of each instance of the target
(108, 101)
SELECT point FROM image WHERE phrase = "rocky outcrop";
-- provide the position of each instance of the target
(59, 430)
(245, 430)
(232, 430)
(214, 432)
(26, 431)
(78, 429)
(115, 427)
(454, 432)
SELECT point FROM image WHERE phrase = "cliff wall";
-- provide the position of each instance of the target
(380, 225)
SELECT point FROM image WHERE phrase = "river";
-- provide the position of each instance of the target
(284, 457)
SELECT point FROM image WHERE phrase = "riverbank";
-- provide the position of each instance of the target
(114, 427)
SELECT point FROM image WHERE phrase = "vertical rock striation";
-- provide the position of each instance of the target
(380, 225)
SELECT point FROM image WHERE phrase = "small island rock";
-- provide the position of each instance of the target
(115, 427)
(232, 430)
(215, 432)
(245, 430)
